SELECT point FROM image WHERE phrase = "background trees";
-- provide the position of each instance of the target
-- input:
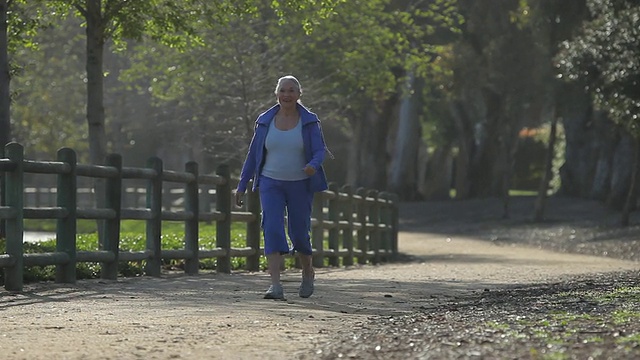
(605, 58)
(416, 97)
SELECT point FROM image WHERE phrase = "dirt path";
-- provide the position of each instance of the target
(213, 316)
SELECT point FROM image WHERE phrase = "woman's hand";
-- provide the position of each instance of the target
(309, 170)
(238, 197)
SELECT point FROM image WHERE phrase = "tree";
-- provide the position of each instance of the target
(605, 56)
(551, 22)
(350, 65)
(116, 20)
(368, 50)
(5, 102)
(172, 22)
(497, 92)
(48, 102)
(18, 23)
(15, 29)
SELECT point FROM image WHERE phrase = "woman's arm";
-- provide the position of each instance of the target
(249, 166)
(318, 146)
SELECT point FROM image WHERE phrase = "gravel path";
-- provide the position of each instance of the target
(216, 316)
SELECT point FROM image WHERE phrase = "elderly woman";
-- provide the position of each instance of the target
(285, 161)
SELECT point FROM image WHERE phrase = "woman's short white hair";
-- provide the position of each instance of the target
(288, 78)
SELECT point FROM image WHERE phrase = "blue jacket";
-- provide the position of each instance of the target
(314, 149)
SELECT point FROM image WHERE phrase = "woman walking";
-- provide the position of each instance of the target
(285, 162)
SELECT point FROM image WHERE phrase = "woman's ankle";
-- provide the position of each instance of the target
(308, 273)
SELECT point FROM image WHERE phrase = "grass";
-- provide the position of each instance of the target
(512, 192)
(612, 312)
(133, 238)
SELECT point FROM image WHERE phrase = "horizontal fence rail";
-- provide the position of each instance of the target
(358, 226)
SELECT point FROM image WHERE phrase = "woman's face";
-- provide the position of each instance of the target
(288, 93)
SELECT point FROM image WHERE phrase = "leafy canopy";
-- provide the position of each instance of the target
(605, 56)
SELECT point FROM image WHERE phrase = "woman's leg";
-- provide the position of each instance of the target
(307, 266)
(272, 198)
(274, 264)
(299, 203)
(273, 201)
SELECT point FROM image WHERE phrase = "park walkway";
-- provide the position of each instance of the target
(217, 316)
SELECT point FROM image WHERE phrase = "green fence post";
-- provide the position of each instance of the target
(253, 230)
(334, 216)
(347, 234)
(192, 226)
(317, 232)
(395, 223)
(14, 188)
(154, 225)
(113, 201)
(385, 223)
(66, 228)
(362, 231)
(3, 227)
(223, 227)
(374, 234)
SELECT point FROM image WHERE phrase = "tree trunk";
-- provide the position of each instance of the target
(621, 170)
(95, 97)
(5, 78)
(507, 172)
(403, 174)
(436, 177)
(95, 82)
(576, 112)
(486, 170)
(630, 203)
(466, 145)
(368, 151)
(477, 118)
(5, 96)
(541, 199)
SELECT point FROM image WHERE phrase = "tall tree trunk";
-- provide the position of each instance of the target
(581, 140)
(436, 173)
(5, 77)
(95, 82)
(5, 101)
(466, 146)
(485, 172)
(368, 151)
(509, 142)
(541, 199)
(632, 196)
(403, 174)
(507, 172)
(95, 98)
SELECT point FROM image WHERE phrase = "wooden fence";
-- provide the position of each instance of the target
(132, 196)
(360, 226)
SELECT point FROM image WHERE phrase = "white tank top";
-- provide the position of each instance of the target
(285, 153)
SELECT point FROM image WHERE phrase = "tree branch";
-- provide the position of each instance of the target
(112, 9)
(82, 10)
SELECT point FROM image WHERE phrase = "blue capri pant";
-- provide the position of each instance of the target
(293, 198)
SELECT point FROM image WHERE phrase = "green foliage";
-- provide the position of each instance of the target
(49, 98)
(24, 19)
(605, 57)
(320, 9)
(207, 98)
(191, 76)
